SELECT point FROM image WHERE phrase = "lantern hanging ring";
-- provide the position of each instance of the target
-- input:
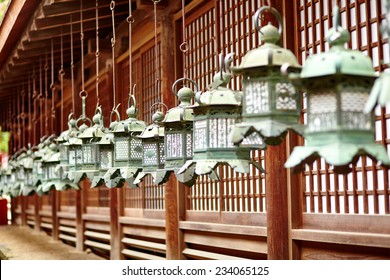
(184, 47)
(83, 93)
(132, 97)
(158, 103)
(130, 19)
(256, 17)
(115, 111)
(184, 79)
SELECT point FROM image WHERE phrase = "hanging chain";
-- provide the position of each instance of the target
(46, 68)
(22, 115)
(34, 117)
(184, 45)
(82, 93)
(113, 42)
(130, 21)
(53, 88)
(61, 73)
(155, 2)
(29, 109)
(72, 65)
(97, 53)
(41, 94)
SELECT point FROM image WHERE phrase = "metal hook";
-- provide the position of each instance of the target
(273, 11)
(184, 79)
(158, 103)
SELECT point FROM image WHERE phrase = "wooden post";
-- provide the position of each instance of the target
(276, 199)
(54, 211)
(172, 219)
(23, 210)
(37, 205)
(114, 225)
(79, 219)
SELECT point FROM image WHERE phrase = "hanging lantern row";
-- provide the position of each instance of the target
(222, 126)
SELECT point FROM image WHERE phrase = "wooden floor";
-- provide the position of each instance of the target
(23, 243)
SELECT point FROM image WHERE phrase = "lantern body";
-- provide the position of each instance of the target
(152, 149)
(271, 105)
(105, 159)
(28, 188)
(337, 84)
(215, 114)
(178, 143)
(127, 156)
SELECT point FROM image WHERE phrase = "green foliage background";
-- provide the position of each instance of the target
(3, 8)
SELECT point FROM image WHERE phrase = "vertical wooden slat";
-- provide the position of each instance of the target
(80, 226)
(114, 225)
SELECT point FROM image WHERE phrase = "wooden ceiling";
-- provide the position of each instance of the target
(27, 40)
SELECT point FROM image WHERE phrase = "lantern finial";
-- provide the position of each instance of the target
(337, 36)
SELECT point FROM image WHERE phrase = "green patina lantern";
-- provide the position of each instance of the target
(38, 174)
(3, 178)
(75, 154)
(90, 137)
(380, 93)
(215, 113)
(152, 138)
(10, 177)
(105, 159)
(178, 124)
(28, 187)
(270, 104)
(63, 167)
(19, 170)
(50, 160)
(13, 187)
(127, 148)
(337, 85)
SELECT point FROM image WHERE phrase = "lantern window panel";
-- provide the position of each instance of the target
(29, 178)
(150, 154)
(200, 139)
(89, 153)
(162, 156)
(64, 152)
(286, 96)
(122, 148)
(322, 114)
(256, 96)
(189, 148)
(105, 158)
(136, 148)
(219, 130)
(352, 116)
(52, 172)
(79, 156)
(174, 142)
(38, 167)
(72, 157)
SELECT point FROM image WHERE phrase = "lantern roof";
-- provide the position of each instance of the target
(64, 136)
(95, 131)
(129, 125)
(218, 93)
(267, 55)
(154, 130)
(107, 139)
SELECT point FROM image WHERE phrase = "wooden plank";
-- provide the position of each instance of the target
(245, 219)
(96, 218)
(152, 246)
(66, 222)
(114, 225)
(142, 222)
(350, 223)
(150, 232)
(340, 237)
(67, 229)
(66, 215)
(228, 229)
(140, 256)
(243, 243)
(97, 226)
(67, 237)
(46, 225)
(97, 245)
(97, 235)
(203, 255)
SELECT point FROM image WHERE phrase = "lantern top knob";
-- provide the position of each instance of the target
(158, 116)
(131, 112)
(269, 34)
(97, 117)
(337, 36)
(185, 94)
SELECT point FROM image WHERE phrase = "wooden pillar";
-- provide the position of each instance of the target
(276, 200)
(54, 211)
(37, 207)
(172, 219)
(80, 227)
(114, 225)
(23, 201)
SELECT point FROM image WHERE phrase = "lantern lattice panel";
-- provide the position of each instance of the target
(366, 189)
(121, 148)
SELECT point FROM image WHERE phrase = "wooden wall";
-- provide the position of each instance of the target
(314, 215)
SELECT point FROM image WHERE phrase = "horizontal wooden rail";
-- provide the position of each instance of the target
(341, 237)
(47, 225)
(152, 246)
(203, 255)
(140, 256)
(67, 238)
(67, 229)
(98, 245)
(142, 222)
(97, 235)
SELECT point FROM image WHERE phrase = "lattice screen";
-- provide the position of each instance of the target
(366, 188)
(235, 192)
